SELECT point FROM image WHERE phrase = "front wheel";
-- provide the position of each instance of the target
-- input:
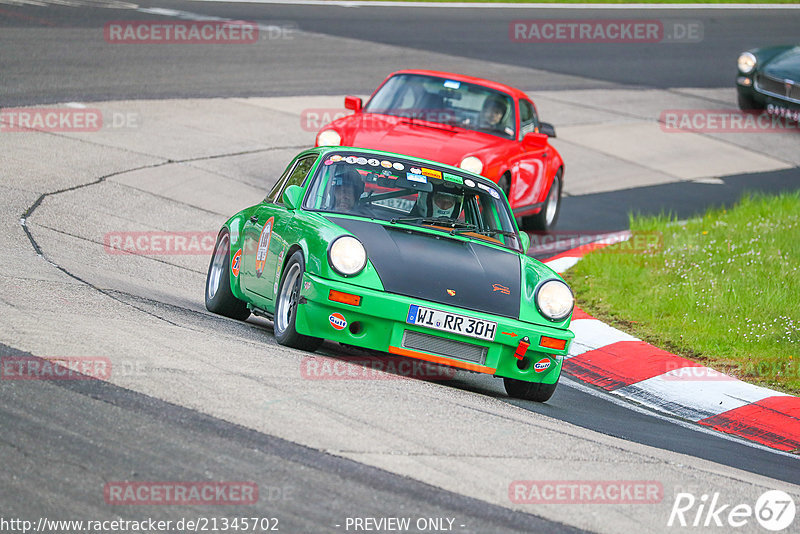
(546, 219)
(533, 391)
(219, 297)
(288, 299)
(747, 104)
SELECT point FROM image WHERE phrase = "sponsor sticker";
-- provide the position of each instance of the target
(542, 365)
(494, 193)
(415, 170)
(386, 164)
(431, 173)
(263, 247)
(236, 262)
(351, 159)
(361, 161)
(469, 183)
(451, 292)
(502, 289)
(453, 178)
(398, 166)
(373, 162)
(328, 161)
(336, 157)
(452, 84)
(417, 178)
(337, 321)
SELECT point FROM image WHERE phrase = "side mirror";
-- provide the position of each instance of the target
(293, 196)
(533, 140)
(548, 129)
(353, 102)
(526, 241)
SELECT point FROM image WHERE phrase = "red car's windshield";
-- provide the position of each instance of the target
(444, 101)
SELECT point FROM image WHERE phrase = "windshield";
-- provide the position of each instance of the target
(403, 191)
(451, 102)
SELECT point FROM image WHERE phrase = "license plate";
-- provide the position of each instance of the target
(451, 322)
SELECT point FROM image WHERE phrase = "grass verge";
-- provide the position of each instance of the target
(722, 289)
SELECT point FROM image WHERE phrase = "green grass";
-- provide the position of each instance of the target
(722, 289)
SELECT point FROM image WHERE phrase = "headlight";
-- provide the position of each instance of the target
(471, 164)
(554, 300)
(329, 138)
(747, 62)
(347, 255)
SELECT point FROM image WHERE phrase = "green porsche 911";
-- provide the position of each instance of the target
(399, 255)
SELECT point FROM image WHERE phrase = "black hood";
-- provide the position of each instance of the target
(420, 265)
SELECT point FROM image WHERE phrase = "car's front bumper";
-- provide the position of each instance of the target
(379, 323)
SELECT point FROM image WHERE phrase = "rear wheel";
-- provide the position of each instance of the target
(546, 219)
(219, 297)
(533, 391)
(288, 299)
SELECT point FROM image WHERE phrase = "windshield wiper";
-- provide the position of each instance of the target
(442, 221)
(474, 229)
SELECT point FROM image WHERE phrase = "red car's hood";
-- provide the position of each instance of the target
(422, 139)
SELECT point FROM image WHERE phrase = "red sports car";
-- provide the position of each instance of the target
(481, 126)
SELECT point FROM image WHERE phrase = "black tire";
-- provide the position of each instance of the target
(286, 302)
(504, 183)
(546, 219)
(533, 391)
(747, 103)
(219, 297)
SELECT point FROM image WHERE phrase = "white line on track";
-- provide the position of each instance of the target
(685, 424)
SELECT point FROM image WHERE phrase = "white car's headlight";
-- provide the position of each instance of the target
(347, 255)
(329, 138)
(471, 164)
(747, 62)
(554, 300)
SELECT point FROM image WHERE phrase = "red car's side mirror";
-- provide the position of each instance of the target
(533, 140)
(353, 102)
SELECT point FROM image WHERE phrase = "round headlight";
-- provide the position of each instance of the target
(471, 164)
(554, 300)
(329, 138)
(747, 62)
(347, 255)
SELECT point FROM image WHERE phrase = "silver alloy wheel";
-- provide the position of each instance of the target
(287, 300)
(552, 202)
(218, 266)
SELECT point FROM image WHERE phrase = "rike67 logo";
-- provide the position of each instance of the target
(774, 510)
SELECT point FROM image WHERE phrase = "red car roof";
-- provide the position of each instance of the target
(516, 93)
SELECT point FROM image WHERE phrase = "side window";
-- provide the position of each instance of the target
(296, 176)
(528, 121)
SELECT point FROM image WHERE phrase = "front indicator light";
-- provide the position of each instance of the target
(552, 343)
(344, 298)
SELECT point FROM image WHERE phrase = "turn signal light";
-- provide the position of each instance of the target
(552, 343)
(344, 298)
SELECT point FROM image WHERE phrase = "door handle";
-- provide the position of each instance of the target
(544, 154)
(254, 219)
